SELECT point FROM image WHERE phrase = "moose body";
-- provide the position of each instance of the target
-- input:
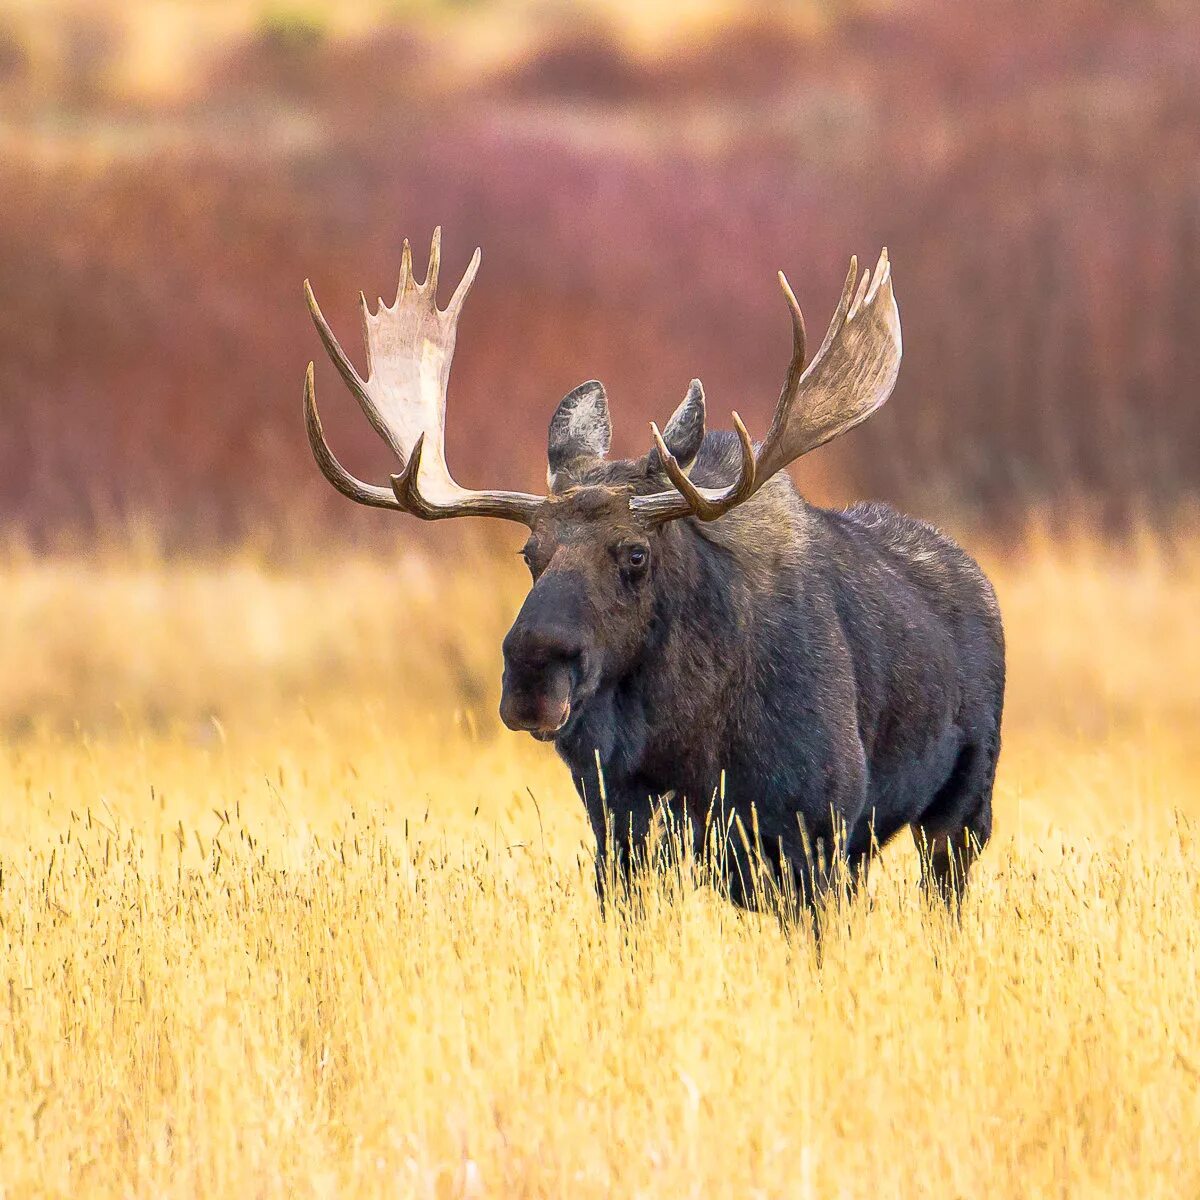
(832, 677)
(699, 638)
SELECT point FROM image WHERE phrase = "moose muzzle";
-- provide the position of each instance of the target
(543, 660)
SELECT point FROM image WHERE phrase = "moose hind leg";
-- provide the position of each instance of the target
(956, 825)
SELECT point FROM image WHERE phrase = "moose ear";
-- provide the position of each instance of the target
(580, 427)
(685, 429)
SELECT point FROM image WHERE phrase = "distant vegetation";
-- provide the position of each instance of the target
(1032, 168)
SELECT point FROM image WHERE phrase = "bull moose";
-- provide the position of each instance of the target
(696, 631)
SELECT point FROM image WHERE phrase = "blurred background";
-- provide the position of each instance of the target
(172, 170)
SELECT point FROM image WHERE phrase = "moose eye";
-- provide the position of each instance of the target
(635, 558)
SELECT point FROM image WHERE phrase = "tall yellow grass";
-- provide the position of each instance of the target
(285, 912)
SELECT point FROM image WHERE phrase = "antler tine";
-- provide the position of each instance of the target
(799, 346)
(435, 262)
(843, 307)
(340, 359)
(406, 270)
(860, 294)
(691, 500)
(799, 331)
(464, 285)
(409, 350)
(407, 493)
(676, 473)
(883, 274)
(347, 484)
(850, 376)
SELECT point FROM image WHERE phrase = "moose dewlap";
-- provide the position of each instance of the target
(795, 684)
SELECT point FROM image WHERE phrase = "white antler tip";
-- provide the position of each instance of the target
(464, 284)
(311, 298)
(435, 261)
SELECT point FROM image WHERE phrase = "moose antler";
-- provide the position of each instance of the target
(409, 348)
(852, 374)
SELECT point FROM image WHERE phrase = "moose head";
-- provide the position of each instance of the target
(604, 545)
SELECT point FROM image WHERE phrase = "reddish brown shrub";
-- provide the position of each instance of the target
(1033, 172)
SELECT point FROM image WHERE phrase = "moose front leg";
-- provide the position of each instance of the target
(795, 847)
(622, 830)
(622, 818)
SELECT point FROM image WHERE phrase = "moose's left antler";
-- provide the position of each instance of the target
(852, 374)
(409, 348)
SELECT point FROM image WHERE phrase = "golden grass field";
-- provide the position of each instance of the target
(284, 911)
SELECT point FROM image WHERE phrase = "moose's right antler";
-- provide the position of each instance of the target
(850, 376)
(409, 349)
